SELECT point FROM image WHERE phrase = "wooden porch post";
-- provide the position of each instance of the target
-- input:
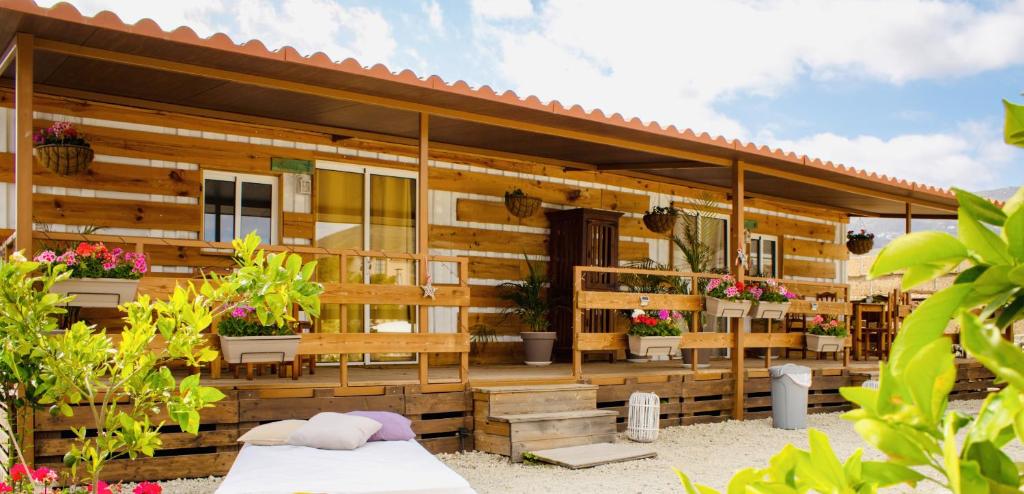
(736, 242)
(23, 143)
(909, 218)
(422, 234)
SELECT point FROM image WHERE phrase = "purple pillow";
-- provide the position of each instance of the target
(394, 427)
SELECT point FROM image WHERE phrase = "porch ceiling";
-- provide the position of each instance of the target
(459, 116)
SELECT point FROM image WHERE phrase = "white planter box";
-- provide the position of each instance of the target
(727, 308)
(820, 343)
(650, 346)
(770, 310)
(258, 349)
(97, 292)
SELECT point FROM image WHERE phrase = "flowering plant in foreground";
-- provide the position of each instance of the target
(771, 291)
(59, 133)
(241, 321)
(822, 326)
(655, 323)
(25, 480)
(727, 288)
(95, 260)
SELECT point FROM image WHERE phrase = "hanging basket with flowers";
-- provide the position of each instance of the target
(100, 277)
(861, 242)
(661, 219)
(520, 204)
(62, 150)
(726, 297)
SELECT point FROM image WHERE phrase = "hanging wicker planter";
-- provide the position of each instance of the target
(64, 159)
(660, 222)
(520, 204)
(860, 246)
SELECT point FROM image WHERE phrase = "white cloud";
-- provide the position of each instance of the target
(972, 157)
(673, 61)
(502, 9)
(435, 16)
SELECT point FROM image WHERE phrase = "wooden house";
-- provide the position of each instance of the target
(388, 178)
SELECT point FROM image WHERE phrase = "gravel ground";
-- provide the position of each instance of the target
(709, 453)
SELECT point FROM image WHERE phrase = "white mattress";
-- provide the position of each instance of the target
(381, 467)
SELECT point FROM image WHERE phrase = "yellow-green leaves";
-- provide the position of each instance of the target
(981, 241)
(1013, 132)
(928, 254)
(933, 374)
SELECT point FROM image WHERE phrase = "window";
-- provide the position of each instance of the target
(368, 209)
(235, 204)
(763, 255)
(711, 231)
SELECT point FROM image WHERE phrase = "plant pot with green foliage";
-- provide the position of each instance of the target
(726, 297)
(655, 333)
(528, 302)
(661, 219)
(771, 300)
(826, 335)
(244, 340)
(100, 277)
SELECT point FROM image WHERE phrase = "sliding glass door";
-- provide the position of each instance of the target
(368, 209)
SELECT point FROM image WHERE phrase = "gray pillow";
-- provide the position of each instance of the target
(337, 431)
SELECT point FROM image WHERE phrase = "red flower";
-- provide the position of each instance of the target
(739, 285)
(44, 475)
(103, 488)
(84, 249)
(148, 488)
(4, 488)
(20, 472)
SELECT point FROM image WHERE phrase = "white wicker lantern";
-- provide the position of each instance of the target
(644, 415)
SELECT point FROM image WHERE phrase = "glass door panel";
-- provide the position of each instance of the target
(218, 210)
(392, 229)
(340, 215)
(257, 210)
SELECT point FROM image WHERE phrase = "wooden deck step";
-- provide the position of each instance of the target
(515, 400)
(592, 455)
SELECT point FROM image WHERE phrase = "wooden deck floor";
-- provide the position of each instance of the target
(327, 376)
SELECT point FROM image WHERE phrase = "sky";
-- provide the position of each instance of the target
(907, 88)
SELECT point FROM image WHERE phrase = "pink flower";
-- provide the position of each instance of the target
(20, 472)
(241, 311)
(69, 257)
(818, 319)
(44, 475)
(714, 283)
(732, 291)
(663, 314)
(4, 488)
(102, 488)
(790, 295)
(148, 488)
(115, 253)
(46, 256)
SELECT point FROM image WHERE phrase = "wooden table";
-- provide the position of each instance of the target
(859, 309)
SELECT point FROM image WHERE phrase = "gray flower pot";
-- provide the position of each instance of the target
(259, 349)
(727, 308)
(537, 346)
(105, 293)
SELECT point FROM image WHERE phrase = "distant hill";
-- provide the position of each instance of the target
(886, 229)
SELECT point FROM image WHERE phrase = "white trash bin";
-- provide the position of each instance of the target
(790, 384)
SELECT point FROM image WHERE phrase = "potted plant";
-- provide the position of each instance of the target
(530, 304)
(655, 333)
(520, 204)
(860, 242)
(771, 300)
(826, 335)
(726, 297)
(100, 277)
(661, 219)
(244, 340)
(62, 150)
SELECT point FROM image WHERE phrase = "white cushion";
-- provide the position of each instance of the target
(271, 434)
(335, 431)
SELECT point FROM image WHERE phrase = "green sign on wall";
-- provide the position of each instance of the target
(291, 165)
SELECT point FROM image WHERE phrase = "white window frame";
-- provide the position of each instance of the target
(238, 179)
(760, 254)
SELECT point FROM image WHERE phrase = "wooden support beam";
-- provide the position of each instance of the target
(23, 142)
(737, 255)
(908, 227)
(667, 165)
(423, 235)
(346, 95)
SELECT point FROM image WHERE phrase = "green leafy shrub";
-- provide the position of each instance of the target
(233, 325)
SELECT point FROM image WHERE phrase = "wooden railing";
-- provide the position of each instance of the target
(694, 304)
(207, 256)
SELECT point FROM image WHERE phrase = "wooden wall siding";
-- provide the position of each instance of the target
(467, 214)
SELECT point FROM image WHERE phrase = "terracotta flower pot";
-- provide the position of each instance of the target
(727, 308)
(537, 346)
(105, 293)
(64, 159)
(770, 310)
(259, 349)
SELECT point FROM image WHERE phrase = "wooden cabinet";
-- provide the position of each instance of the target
(580, 237)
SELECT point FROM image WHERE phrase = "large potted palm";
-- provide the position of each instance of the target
(528, 301)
